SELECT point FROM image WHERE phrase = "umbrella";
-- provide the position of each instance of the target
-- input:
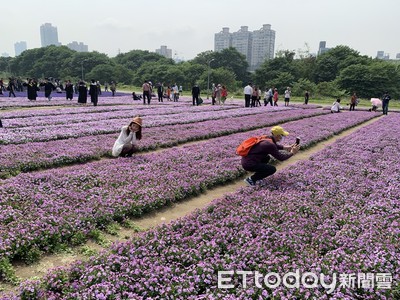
(376, 102)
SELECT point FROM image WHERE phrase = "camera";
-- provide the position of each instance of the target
(297, 140)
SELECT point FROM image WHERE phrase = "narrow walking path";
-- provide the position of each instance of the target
(165, 215)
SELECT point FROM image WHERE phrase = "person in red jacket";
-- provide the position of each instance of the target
(257, 160)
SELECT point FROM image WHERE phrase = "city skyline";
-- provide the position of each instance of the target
(188, 27)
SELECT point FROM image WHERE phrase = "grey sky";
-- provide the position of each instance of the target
(188, 26)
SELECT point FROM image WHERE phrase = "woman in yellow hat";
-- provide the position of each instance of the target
(125, 145)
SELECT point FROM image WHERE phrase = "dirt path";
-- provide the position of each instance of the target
(156, 218)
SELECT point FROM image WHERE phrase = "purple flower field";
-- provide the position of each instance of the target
(15, 158)
(109, 123)
(334, 215)
(64, 202)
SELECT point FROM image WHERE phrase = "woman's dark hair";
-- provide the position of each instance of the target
(137, 133)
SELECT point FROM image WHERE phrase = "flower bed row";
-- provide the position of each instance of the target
(22, 101)
(47, 117)
(96, 127)
(119, 99)
(337, 213)
(15, 158)
(42, 209)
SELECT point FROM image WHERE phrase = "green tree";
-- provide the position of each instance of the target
(370, 80)
(329, 89)
(302, 85)
(229, 59)
(136, 58)
(279, 71)
(330, 63)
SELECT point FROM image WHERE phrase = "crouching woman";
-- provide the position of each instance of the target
(125, 145)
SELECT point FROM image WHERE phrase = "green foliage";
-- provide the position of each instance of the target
(302, 85)
(7, 272)
(281, 81)
(370, 80)
(329, 89)
(134, 59)
(223, 77)
(99, 238)
(131, 225)
(112, 228)
(329, 64)
(88, 251)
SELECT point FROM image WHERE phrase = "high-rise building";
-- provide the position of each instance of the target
(20, 47)
(263, 46)
(164, 51)
(382, 55)
(222, 40)
(79, 47)
(398, 56)
(256, 45)
(49, 35)
(322, 47)
(242, 42)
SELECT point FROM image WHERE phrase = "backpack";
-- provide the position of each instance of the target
(244, 148)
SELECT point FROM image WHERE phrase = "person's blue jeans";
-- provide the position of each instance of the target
(385, 107)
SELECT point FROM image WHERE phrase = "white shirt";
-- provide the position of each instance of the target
(123, 139)
(287, 94)
(248, 90)
(336, 107)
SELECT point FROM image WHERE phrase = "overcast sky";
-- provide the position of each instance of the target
(188, 26)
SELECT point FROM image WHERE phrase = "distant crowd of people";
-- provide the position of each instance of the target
(50, 85)
(253, 93)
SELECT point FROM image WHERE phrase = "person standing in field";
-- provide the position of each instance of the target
(287, 96)
(224, 94)
(248, 92)
(276, 97)
(195, 94)
(353, 100)
(113, 88)
(254, 96)
(11, 87)
(175, 90)
(32, 89)
(125, 145)
(169, 93)
(69, 90)
(160, 92)
(48, 88)
(82, 92)
(385, 103)
(93, 92)
(306, 97)
(146, 92)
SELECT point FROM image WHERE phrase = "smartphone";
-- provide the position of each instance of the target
(297, 140)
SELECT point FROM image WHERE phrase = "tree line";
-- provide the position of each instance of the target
(338, 72)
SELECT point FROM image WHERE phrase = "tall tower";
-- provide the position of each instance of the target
(49, 35)
(242, 42)
(257, 45)
(222, 40)
(263, 46)
(164, 51)
(19, 47)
